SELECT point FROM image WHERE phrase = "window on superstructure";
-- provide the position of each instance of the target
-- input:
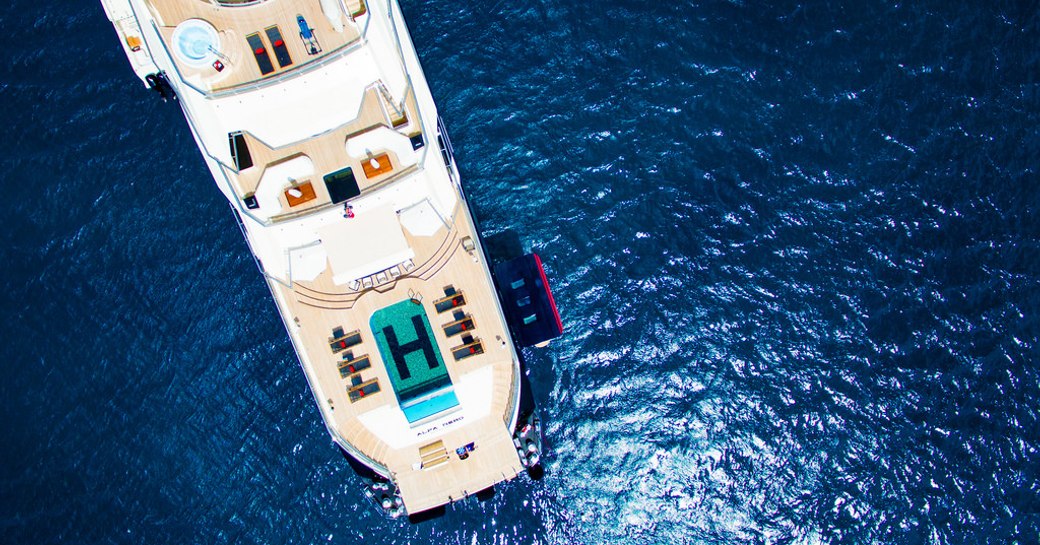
(240, 151)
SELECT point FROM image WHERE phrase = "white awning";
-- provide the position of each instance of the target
(307, 263)
(369, 242)
(422, 219)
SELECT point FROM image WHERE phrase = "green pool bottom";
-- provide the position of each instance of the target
(413, 360)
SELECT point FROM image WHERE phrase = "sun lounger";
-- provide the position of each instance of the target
(458, 326)
(263, 60)
(381, 278)
(395, 272)
(408, 265)
(445, 304)
(356, 365)
(281, 52)
(466, 350)
(310, 41)
(356, 393)
(339, 344)
(354, 285)
(366, 282)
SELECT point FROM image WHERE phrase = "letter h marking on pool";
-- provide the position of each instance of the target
(399, 351)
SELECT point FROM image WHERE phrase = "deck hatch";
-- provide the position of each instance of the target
(342, 185)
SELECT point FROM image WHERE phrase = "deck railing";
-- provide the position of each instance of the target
(236, 3)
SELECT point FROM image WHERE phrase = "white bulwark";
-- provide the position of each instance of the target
(318, 126)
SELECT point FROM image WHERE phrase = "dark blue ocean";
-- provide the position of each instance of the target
(796, 246)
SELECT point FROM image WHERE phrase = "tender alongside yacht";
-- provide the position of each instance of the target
(317, 124)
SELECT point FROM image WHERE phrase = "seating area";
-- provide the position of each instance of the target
(263, 60)
(377, 165)
(299, 194)
(350, 367)
(310, 41)
(383, 277)
(281, 52)
(461, 324)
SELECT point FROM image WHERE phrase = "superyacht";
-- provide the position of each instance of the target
(319, 128)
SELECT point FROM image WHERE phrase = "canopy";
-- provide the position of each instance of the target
(370, 242)
(422, 219)
(307, 263)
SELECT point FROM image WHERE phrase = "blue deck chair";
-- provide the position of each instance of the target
(307, 35)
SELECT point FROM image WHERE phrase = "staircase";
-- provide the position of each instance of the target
(433, 455)
(398, 116)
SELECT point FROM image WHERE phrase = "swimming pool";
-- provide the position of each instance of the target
(413, 360)
(196, 43)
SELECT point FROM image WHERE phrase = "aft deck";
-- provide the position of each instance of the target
(483, 380)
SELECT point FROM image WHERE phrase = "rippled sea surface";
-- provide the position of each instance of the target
(796, 246)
